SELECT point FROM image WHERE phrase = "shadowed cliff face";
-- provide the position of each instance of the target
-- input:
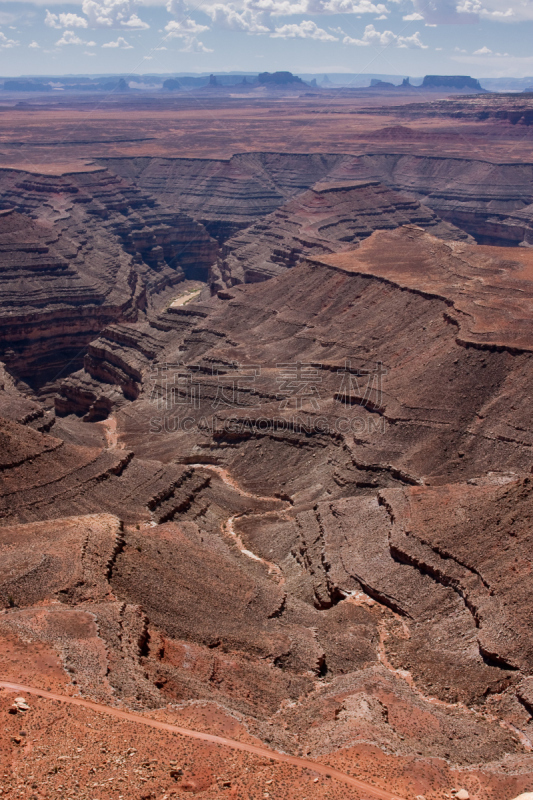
(78, 253)
(125, 246)
(90, 249)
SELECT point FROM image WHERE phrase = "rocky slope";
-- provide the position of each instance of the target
(79, 252)
(511, 108)
(44, 477)
(337, 462)
(328, 218)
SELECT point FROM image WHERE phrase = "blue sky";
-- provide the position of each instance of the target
(483, 38)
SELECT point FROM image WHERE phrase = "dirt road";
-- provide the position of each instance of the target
(366, 790)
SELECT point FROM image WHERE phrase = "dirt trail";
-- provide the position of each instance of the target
(229, 481)
(229, 526)
(111, 433)
(273, 755)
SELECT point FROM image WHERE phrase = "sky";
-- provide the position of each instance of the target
(482, 38)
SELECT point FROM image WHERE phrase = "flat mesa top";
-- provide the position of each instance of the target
(490, 288)
(55, 169)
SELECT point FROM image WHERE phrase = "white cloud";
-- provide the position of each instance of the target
(120, 42)
(305, 30)
(88, 53)
(483, 51)
(6, 43)
(443, 12)
(226, 16)
(351, 7)
(113, 14)
(255, 16)
(471, 11)
(187, 30)
(374, 38)
(411, 42)
(177, 8)
(135, 23)
(69, 37)
(64, 20)
(35, 45)
(194, 46)
(413, 17)
(497, 10)
(184, 29)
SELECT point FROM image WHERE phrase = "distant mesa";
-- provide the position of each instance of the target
(451, 82)
(279, 79)
(85, 85)
(116, 86)
(26, 86)
(375, 83)
(432, 82)
(172, 85)
(225, 82)
(214, 82)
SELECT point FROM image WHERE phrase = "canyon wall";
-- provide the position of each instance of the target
(81, 251)
(328, 218)
(491, 201)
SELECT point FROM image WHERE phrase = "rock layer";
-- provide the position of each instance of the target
(330, 217)
(491, 201)
(93, 251)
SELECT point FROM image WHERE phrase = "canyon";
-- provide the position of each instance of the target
(265, 461)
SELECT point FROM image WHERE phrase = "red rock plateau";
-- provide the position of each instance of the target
(265, 462)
